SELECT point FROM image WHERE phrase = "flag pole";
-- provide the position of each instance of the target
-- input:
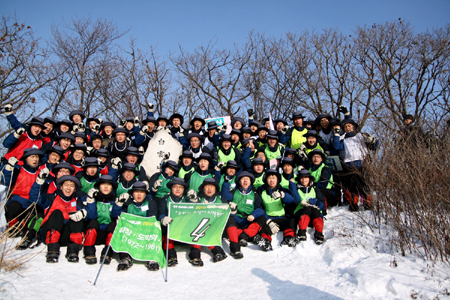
(101, 266)
(167, 246)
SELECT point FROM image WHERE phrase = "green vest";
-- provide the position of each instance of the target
(197, 180)
(259, 181)
(182, 173)
(163, 189)
(217, 200)
(232, 182)
(226, 158)
(316, 174)
(86, 185)
(305, 197)
(104, 212)
(245, 203)
(138, 211)
(284, 182)
(272, 155)
(307, 150)
(297, 138)
(121, 189)
(273, 207)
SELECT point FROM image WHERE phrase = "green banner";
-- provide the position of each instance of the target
(198, 224)
(140, 237)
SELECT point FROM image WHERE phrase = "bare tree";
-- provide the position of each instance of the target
(86, 50)
(24, 70)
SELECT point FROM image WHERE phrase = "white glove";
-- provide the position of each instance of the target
(224, 127)
(285, 129)
(89, 150)
(81, 127)
(136, 121)
(19, 132)
(304, 203)
(233, 207)
(91, 195)
(273, 226)
(12, 161)
(192, 195)
(166, 157)
(159, 128)
(96, 127)
(143, 130)
(166, 221)
(219, 166)
(337, 131)
(157, 184)
(78, 216)
(141, 150)
(122, 199)
(277, 195)
(150, 107)
(302, 155)
(100, 120)
(8, 109)
(368, 139)
(43, 174)
(343, 109)
(115, 162)
(300, 168)
(181, 132)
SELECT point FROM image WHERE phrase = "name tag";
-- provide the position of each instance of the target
(144, 208)
(110, 208)
(249, 201)
(232, 186)
(73, 204)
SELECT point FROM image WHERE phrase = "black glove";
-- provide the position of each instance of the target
(337, 131)
(251, 113)
(343, 109)
(8, 109)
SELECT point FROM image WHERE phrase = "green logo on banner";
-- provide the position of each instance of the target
(198, 224)
(140, 237)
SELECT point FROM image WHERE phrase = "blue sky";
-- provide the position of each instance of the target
(166, 24)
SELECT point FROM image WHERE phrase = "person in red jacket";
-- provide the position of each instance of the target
(63, 223)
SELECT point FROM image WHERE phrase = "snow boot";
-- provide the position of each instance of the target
(301, 237)
(219, 257)
(52, 256)
(198, 262)
(319, 238)
(108, 255)
(125, 263)
(237, 254)
(263, 243)
(289, 241)
(255, 240)
(72, 252)
(89, 255)
(172, 261)
(152, 266)
(243, 239)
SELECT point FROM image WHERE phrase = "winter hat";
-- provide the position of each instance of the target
(106, 179)
(176, 115)
(65, 178)
(197, 118)
(271, 172)
(177, 180)
(245, 174)
(317, 151)
(76, 112)
(139, 186)
(90, 162)
(212, 125)
(237, 119)
(32, 151)
(63, 165)
(297, 115)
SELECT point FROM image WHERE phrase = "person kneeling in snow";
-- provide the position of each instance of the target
(140, 204)
(309, 209)
(62, 224)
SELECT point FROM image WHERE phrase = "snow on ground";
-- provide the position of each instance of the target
(354, 263)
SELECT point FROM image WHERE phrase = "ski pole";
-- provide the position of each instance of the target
(101, 266)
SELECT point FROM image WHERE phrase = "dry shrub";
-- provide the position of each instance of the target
(411, 181)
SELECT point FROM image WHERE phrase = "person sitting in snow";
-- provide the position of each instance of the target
(63, 224)
(247, 211)
(139, 203)
(274, 199)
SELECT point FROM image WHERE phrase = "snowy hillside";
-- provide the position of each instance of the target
(354, 263)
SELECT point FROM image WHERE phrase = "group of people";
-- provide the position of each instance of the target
(68, 181)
